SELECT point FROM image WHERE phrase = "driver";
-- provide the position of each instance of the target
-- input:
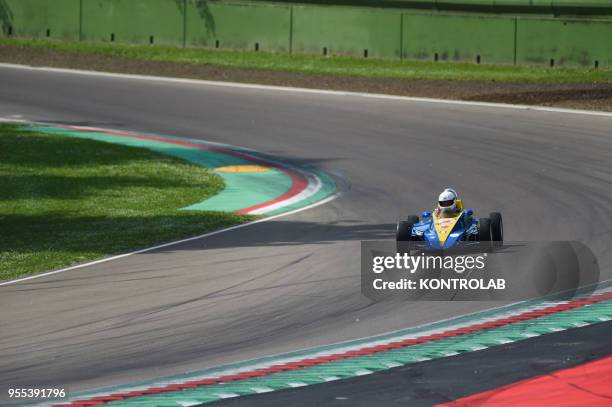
(447, 203)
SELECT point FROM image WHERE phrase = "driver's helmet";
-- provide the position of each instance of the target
(447, 201)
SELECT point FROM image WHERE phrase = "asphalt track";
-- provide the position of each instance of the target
(292, 282)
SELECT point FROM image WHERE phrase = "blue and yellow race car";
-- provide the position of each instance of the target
(443, 231)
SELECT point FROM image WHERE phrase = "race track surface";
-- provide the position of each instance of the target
(292, 282)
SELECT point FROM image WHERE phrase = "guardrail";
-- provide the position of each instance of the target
(327, 30)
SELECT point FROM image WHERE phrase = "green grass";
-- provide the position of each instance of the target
(345, 66)
(65, 200)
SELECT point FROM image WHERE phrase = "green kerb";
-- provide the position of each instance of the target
(589, 314)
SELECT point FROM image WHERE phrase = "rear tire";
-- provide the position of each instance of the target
(497, 227)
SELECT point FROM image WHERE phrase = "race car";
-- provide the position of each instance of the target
(443, 231)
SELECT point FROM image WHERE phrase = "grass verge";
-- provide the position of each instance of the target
(335, 65)
(65, 200)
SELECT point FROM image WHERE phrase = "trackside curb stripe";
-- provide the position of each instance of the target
(299, 182)
(393, 346)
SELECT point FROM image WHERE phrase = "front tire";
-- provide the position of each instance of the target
(404, 229)
(404, 233)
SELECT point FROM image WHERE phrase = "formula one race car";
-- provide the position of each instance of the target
(442, 231)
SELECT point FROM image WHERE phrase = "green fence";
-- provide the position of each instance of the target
(138, 22)
(41, 18)
(564, 42)
(481, 39)
(353, 31)
(426, 30)
(254, 27)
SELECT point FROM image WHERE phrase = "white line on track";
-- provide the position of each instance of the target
(303, 90)
(189, 239)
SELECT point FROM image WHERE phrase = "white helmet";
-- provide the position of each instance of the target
(447, 201)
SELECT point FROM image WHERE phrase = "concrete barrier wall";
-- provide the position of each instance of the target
(137, 22)
(347, 31)
(564, 42)
(41, 18)
(479, 39)
(332, 30)
(263, 27)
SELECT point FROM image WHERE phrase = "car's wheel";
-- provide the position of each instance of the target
(497, 227)
(404, 231)
(484, 230)
(404, 234)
